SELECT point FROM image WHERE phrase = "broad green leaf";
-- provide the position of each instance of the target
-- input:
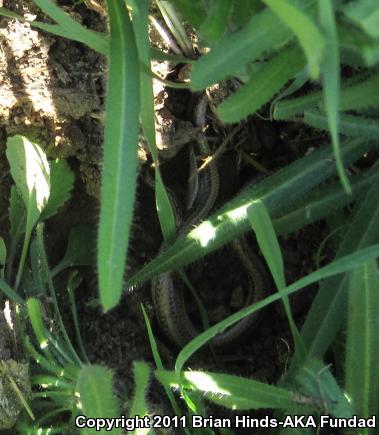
(95, 397)
(362, 346)
(233, 392)
(306, 31)
(279, 193)
(357, 95)
(330, 69)
(264, 32)
(61, 184)
(364, 13)
(139, 405)
(120, 154)
(31, 173)
(314, 380)
(81, 249)
(350, 125)
(262, 85)
(336, 267)
(3, 257)
(328, 311)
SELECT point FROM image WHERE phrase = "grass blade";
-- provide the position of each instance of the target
(331, 83)
(306, 31)
(158, 362)
(329, 307)
(147, 115)
(362, 346)
(261, 223)
(120, 154)
(3, 257)
(71, 29)
(262, 86)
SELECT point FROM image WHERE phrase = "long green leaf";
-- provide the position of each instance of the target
(141, 29)
(158, 361)
(264, 32)
(322, 202)
(233, 392)
(279, 192)
(96, 40)
(359, 95)
(362, 345)
(3, 257)
(328, 310)
(306, 31)
(120, 154)
(331, 83)
(350, 125)
(339, 266)
(262, 85)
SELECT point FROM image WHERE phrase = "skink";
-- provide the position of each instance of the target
(167, 289)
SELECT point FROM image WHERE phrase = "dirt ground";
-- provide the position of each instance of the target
(52, 90)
